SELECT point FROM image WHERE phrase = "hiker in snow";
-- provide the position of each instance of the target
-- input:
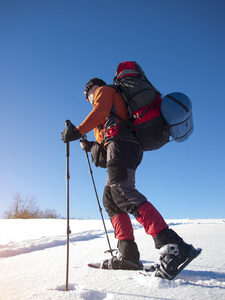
(120, 196)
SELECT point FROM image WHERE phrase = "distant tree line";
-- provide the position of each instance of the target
(27, 208)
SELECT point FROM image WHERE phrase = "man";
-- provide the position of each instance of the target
(120, 196)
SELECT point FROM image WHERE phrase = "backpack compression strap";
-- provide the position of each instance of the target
(177, 101)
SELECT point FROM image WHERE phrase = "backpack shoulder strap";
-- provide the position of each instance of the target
(117, 88)
(114, 87)
(129, 124)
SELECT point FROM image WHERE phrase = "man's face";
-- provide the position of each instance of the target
(91, 92)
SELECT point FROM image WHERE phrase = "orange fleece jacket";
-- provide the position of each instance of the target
(104, 97)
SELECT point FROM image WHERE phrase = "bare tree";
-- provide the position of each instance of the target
(50, 214)
(28, 209)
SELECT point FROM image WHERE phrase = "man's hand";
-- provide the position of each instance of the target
(70, 133)
(86, 145)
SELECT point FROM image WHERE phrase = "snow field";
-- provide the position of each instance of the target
(33, 262)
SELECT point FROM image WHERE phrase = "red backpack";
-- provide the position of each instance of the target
(143, 101)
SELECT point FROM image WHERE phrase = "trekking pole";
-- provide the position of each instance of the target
(100, 209)
(68, 231)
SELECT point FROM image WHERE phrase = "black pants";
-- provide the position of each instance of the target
(121, 198)
(120, 194)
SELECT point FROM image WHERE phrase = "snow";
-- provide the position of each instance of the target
(33, 262)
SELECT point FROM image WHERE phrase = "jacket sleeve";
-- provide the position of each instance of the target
(103, 101)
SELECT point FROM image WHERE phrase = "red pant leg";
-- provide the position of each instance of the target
(151, 219)
(123, 227)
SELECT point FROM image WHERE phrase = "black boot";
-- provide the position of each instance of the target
(173, 251)
(127, 258)
(167, 236)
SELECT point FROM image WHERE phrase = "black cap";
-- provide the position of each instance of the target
(91, 83)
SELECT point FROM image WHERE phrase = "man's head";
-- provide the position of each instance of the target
(91, 87)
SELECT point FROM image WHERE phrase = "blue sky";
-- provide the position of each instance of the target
(49, 49)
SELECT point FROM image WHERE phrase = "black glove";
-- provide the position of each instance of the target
(70, 133)
(86, 145)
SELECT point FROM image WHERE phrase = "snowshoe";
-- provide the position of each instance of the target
(174, 258)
